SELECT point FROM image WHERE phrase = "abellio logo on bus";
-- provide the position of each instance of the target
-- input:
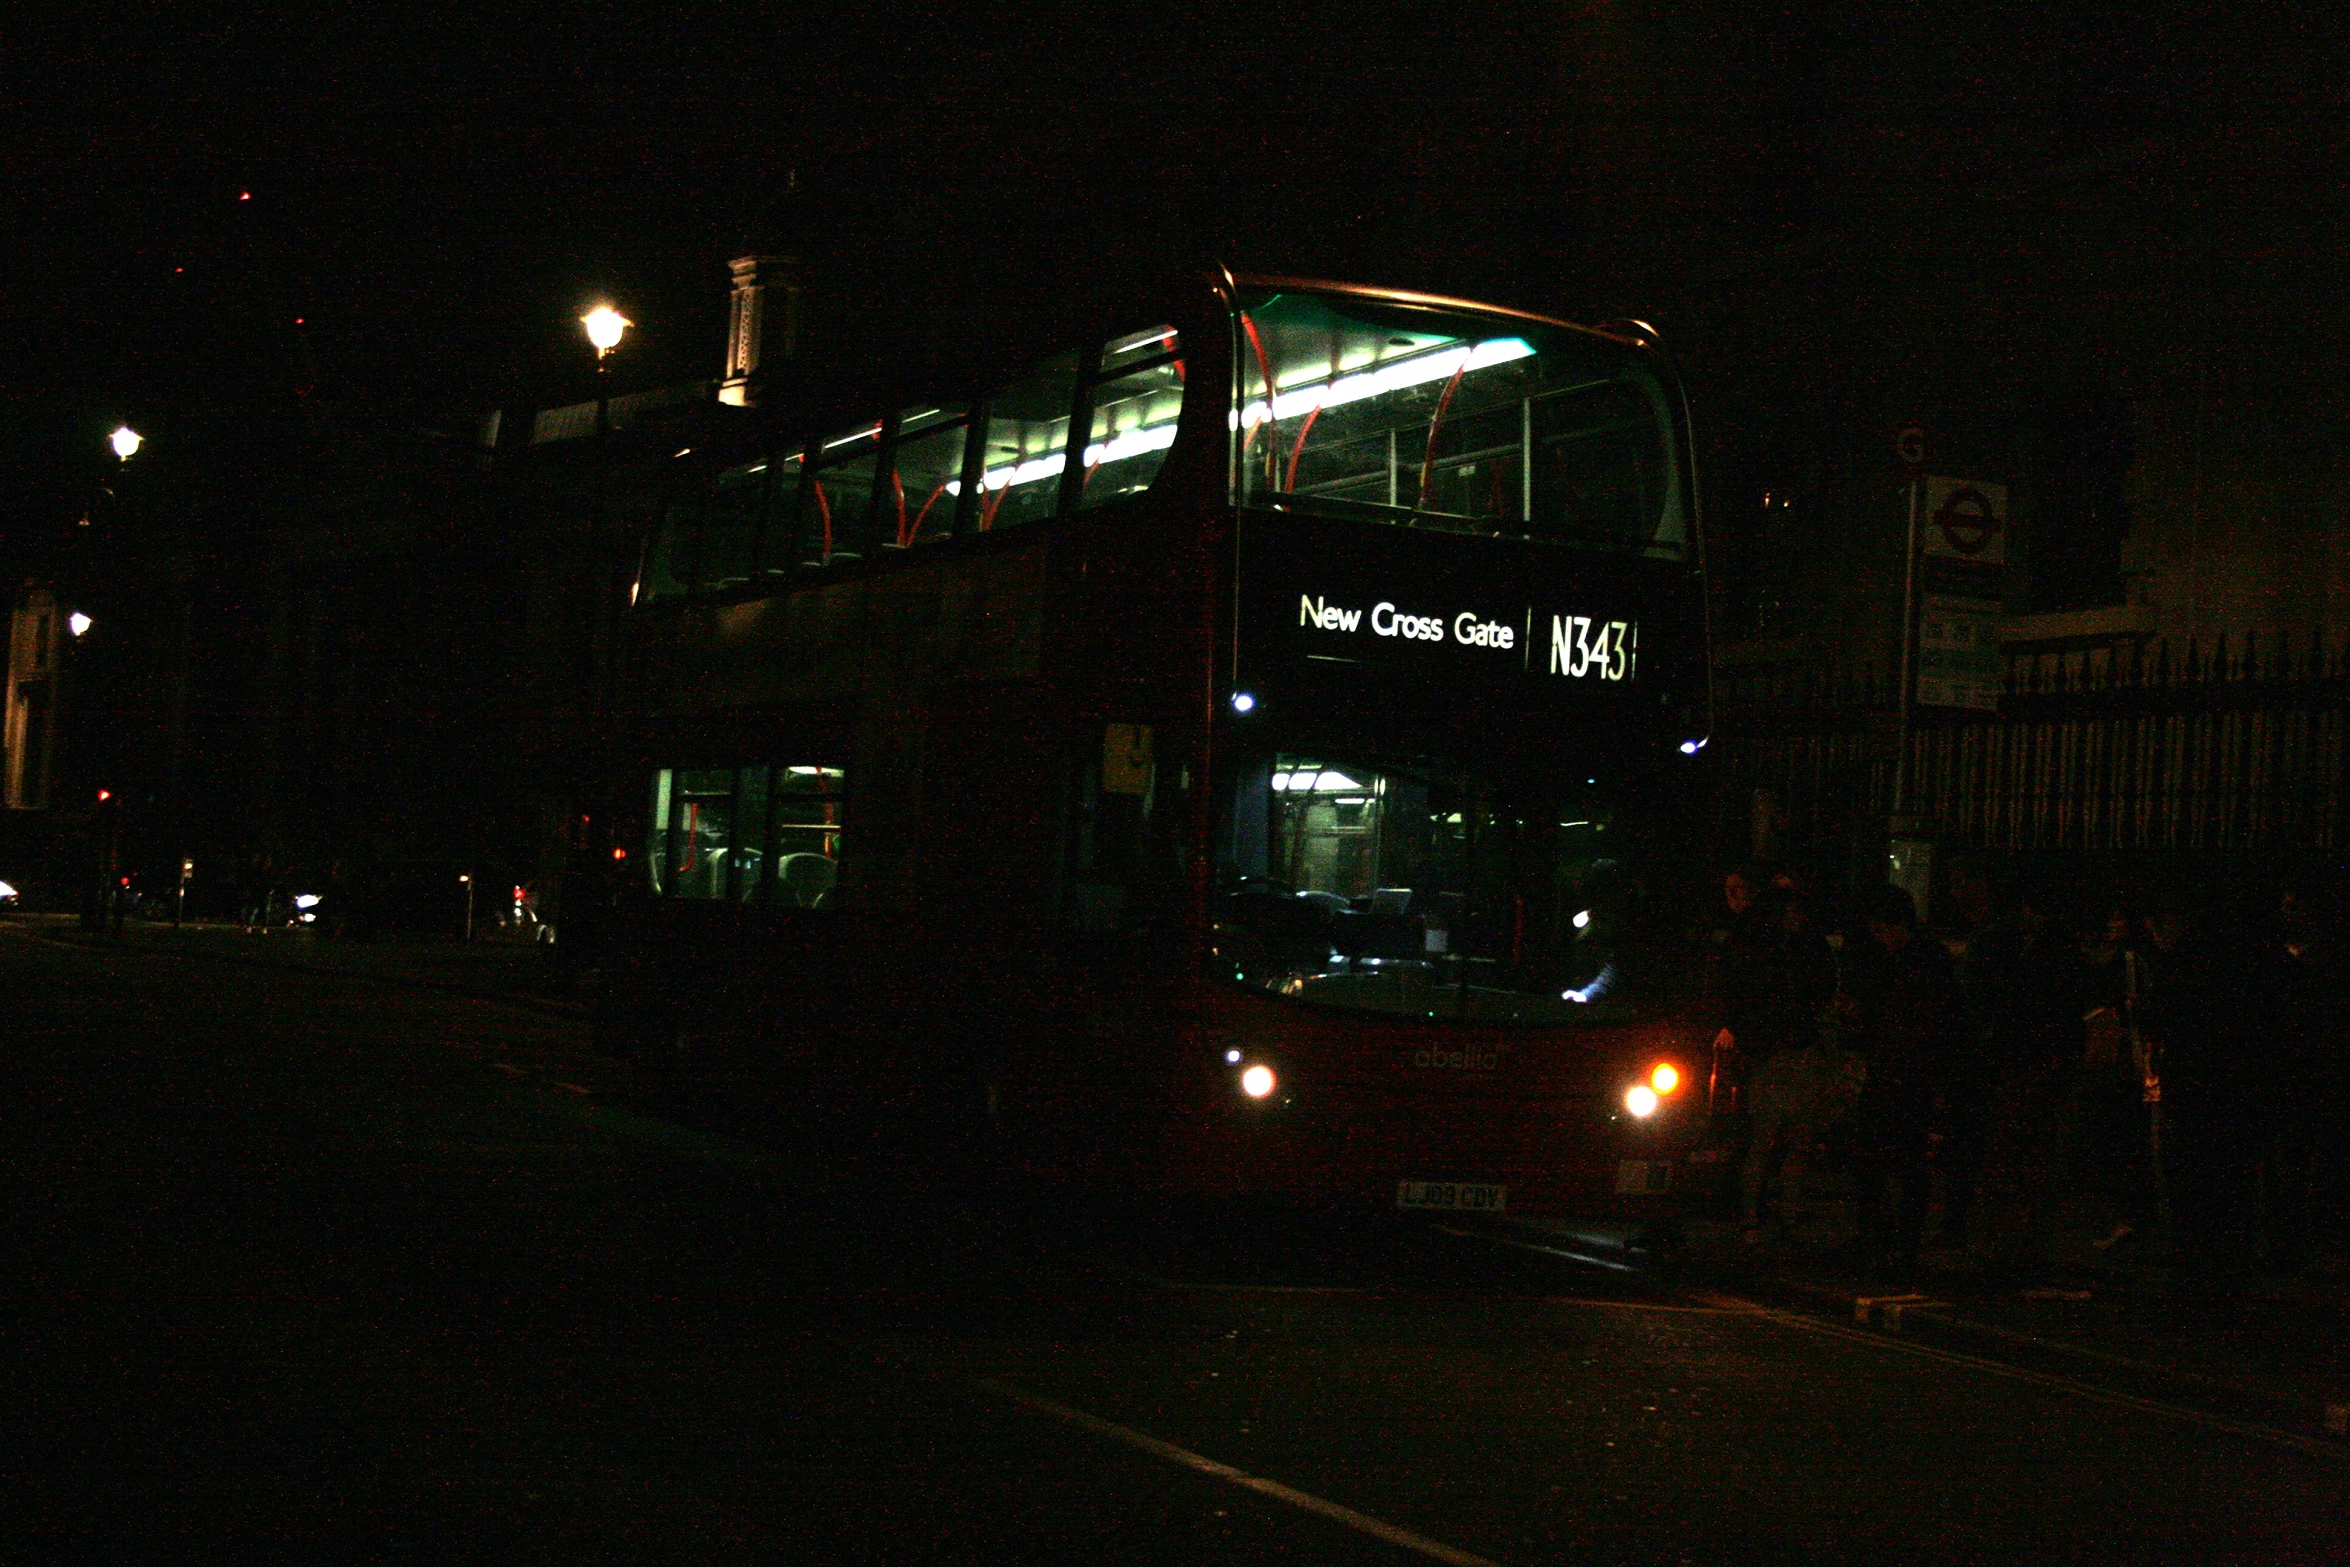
(1472, 1059)
(1577, 647)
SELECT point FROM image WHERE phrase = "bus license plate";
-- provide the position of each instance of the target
(1458, 1196)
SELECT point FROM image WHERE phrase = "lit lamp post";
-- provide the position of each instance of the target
(467, 883)
(126, 442)
(605, 327)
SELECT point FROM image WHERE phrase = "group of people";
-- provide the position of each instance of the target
(2162, 1081)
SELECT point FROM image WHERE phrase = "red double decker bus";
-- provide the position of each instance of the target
(1237, 753)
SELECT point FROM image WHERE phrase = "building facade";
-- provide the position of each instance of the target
(2138, 353)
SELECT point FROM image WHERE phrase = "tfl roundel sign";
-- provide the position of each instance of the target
(1966, 520)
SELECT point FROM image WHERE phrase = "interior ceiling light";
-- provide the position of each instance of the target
(1396, 374)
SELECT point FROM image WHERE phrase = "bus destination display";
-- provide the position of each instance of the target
(1538, 639)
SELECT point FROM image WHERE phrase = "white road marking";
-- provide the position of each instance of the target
(2314, 1446)
(1362, 1523)
(1219, 1287)
(1161, 1281)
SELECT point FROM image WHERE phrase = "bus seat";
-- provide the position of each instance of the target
(1392, 902)
(805, 878)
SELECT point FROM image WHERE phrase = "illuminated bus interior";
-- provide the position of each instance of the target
(746, 834)
(1477, 425)
(1424, 889)
(882, 485)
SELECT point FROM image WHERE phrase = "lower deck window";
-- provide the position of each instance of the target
(756, 834)
(1421, 887)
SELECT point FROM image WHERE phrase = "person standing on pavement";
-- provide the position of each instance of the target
(1735, 943)
(2110, 1145)
(2007, 1106)
(1795, 1090)
(2307, 1125)
(1905, 999)
(2216, 1000)
(1980, 950)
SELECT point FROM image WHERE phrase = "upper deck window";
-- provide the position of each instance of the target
(926, 474)
(1136, 403)
(836, 508)
(777, 532)
(730, 525)
(1027, 445)
(1472, 424)
(707, 536)
(935, 471)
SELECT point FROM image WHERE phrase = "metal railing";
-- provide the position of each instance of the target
(2136, 748)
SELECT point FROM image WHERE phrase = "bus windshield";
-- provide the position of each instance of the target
(1422, 889)
(1418, 417)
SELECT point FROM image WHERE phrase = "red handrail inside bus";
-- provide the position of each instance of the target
(1428, 463)
(907, 537)
(1265, 369)
(1297, 451)
(824, 509)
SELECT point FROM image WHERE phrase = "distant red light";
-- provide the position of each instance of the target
(244, 195)
(620, 854)
(105, 795)
(297, 320)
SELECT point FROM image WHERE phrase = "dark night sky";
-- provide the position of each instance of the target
(429, 214)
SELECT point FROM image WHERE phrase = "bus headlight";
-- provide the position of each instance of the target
(1640, 1099)
(1257, 1081)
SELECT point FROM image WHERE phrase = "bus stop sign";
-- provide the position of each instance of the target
(1966, 520)
(1913, 447)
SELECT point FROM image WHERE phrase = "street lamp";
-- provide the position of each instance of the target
(604, 328)
(77, 622)
(127, 441)
(466, 882)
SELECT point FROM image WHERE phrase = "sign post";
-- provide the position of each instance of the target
(1965, 547)
(1950, 655)
(1958, 652)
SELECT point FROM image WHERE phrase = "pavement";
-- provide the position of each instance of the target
(302, 1259)
(2255, 1350)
